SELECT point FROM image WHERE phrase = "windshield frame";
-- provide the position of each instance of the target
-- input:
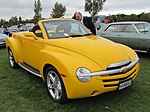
(65, 34)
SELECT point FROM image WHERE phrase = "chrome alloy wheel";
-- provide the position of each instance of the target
(54, 85)
(11, 59)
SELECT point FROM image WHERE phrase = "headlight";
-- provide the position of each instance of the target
(136, 56)
(83, 71)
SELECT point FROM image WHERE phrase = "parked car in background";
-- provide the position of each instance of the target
(73, 62)
(12, 29)
(2, 37)
(26, 27)
(133, 34)
(29, 26)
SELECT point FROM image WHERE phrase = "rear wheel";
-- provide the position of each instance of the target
(55, 85)
(12, 61)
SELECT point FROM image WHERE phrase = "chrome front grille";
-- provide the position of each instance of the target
(111, 80)
(131, 75)
(118, 65)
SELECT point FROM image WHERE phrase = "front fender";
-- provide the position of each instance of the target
(13, 44)
(67, 63)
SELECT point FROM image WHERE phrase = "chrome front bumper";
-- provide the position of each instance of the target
(123, 69)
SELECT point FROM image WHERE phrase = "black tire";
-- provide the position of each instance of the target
(55, 86)
(11, 58)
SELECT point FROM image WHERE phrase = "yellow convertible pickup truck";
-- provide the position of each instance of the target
(72, 61)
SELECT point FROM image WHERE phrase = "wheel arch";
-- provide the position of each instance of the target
(14, 51)
(54, 66)
(64, 78)
(63, 97)
(13, 45)
(44, 69)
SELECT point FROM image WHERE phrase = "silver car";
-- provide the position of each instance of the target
(133, 34)
(2, 37)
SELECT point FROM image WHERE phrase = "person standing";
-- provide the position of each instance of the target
(86, 21)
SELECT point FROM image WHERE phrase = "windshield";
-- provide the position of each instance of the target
(65, 28)
(143, 27)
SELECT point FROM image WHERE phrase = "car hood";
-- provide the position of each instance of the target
(100, 50)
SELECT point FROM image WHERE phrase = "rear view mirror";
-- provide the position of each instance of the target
(30, 34)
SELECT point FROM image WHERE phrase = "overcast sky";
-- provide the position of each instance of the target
(24, 8)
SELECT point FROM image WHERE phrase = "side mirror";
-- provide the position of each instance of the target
(30, 34)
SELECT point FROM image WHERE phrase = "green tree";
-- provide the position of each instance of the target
(146, 17)
(2, 22)
(20, 20)
(37, 11)
(133, 17)
(13, 20)
(140, 16)
(29, 21)
(58, 11)
(93, 6)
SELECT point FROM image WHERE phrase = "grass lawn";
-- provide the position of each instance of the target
(21, 91)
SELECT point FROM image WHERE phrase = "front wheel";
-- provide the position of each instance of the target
(12, 61)
(55, 85)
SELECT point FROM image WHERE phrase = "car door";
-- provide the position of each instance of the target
(144, 41)
(31, 47)
(110, 32)
(129, 36)
(144, 38)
